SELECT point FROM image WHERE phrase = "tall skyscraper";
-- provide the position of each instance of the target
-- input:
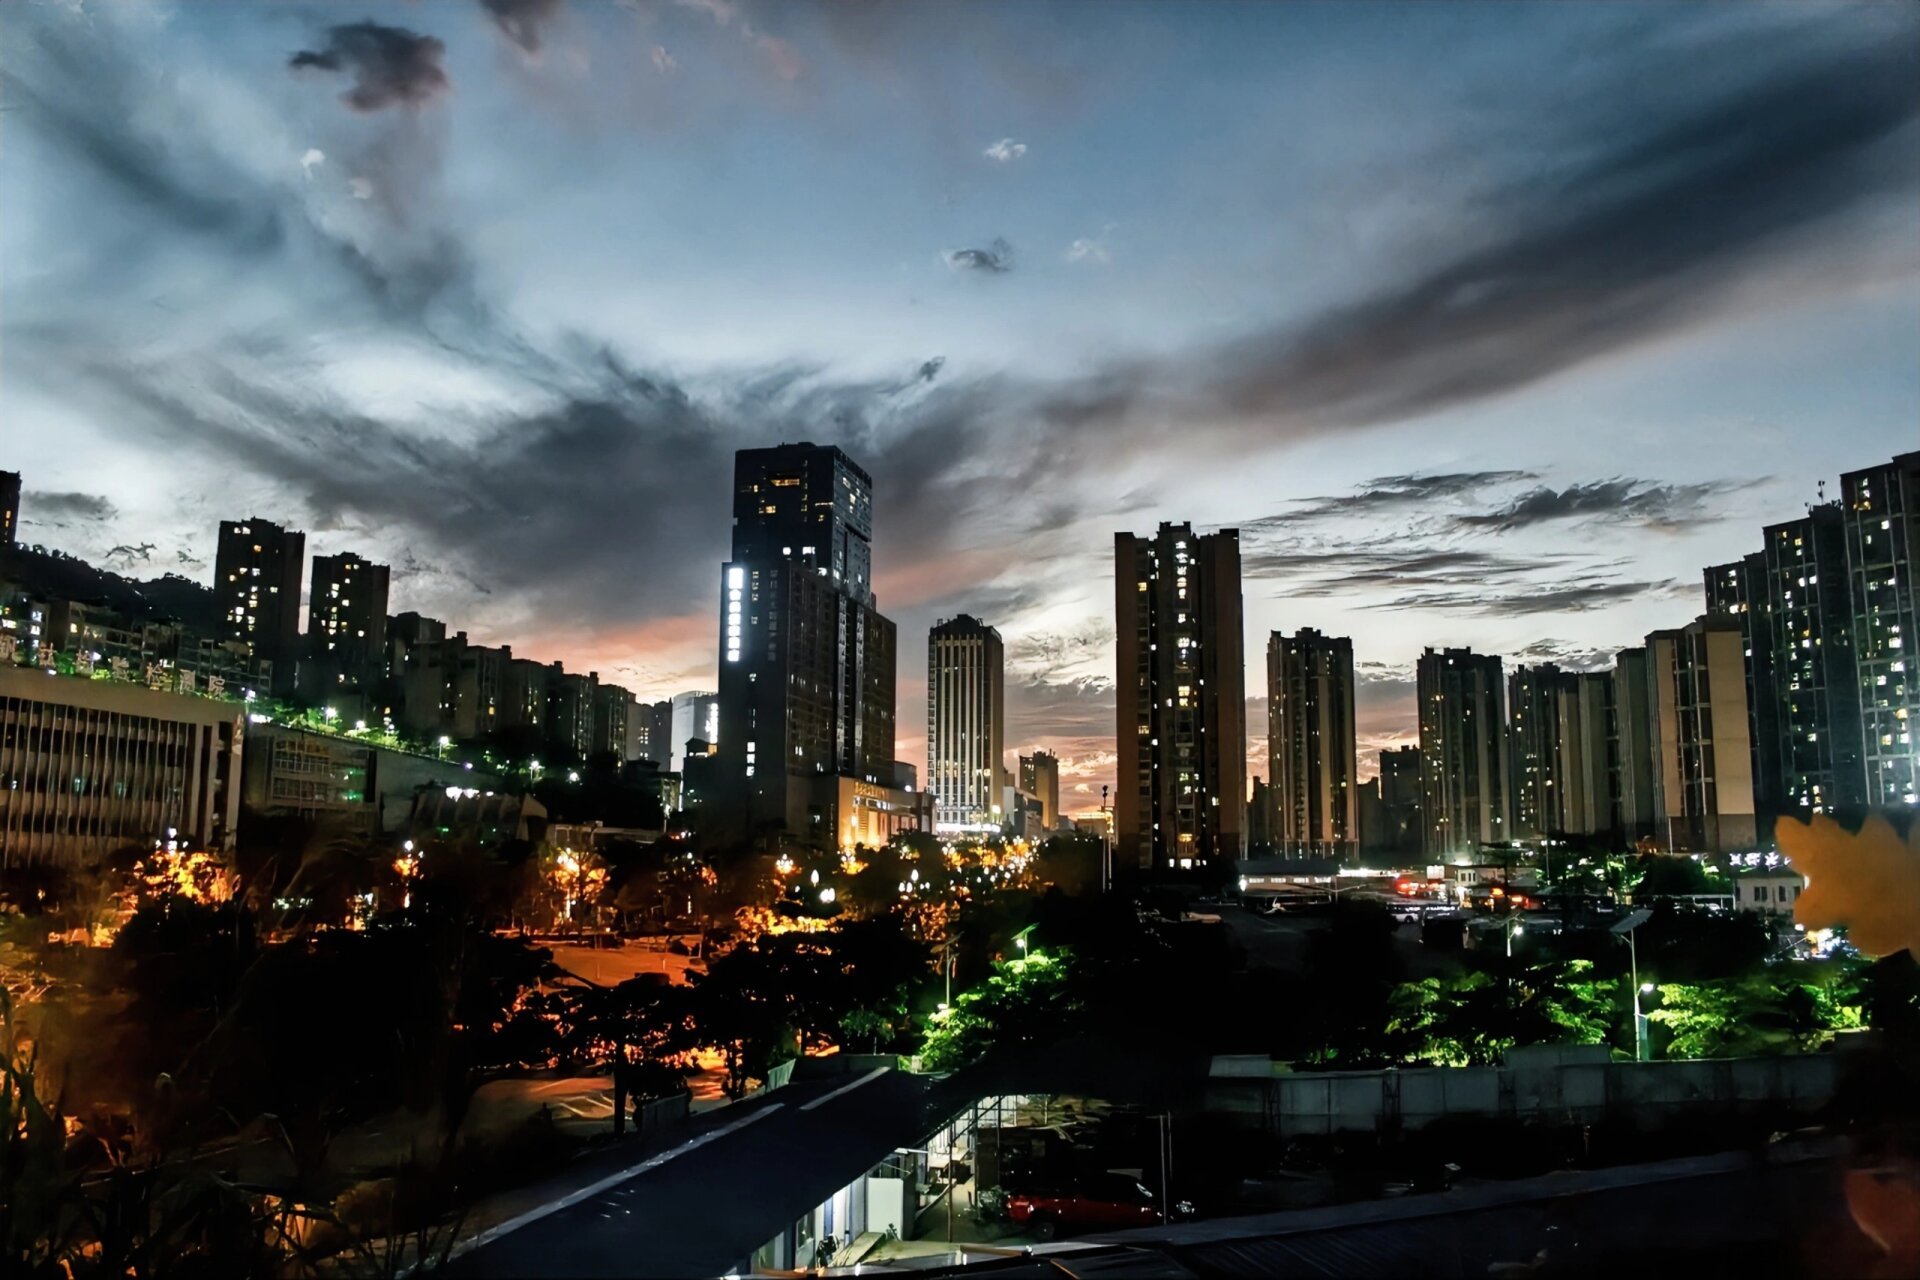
(1881, 514)
(570, 699)
(1703, 762)
(256, 575)
(806, 659)
(1311, 752)
(650, 732)
(1464, 798)
(9, 509)
(1560, 742)
(1738, 590)
(966, 723)
(612, 706)
(346, 623)
(1807, 611)
(1181, 730)
(1040, 778)
(1592, 804)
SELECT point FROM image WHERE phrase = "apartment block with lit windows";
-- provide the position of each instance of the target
(1881, 515)
(1311, 750)
(257, 570)
(1180, 693)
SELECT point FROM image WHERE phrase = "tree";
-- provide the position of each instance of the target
(1783, 1009)
(1024, 1002)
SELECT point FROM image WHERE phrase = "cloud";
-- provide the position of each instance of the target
(1575, 598)
(312, 159)
(1383, 492)
(1005, 151)
(523, 22)
(391, 66)
(53, 507)
(140, 553)
(1630, 227)
(1089, 251)
(663, 62)
(996, 259)
(1636, 502)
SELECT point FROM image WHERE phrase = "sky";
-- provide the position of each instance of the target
(1485, 325)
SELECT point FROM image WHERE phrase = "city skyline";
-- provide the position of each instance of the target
(379, 237)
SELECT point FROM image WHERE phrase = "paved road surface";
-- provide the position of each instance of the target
(705, 1210)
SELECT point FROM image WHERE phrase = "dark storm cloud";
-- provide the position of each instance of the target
(1572, 598)
(523, 21)
(55, 507)
(1393, 564)
(390, 65)
(1391, 492)
(996, 259)
(1628, 229)
(1638, 502)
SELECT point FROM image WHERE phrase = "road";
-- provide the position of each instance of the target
(703, 1207)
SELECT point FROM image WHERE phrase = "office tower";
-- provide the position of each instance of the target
(650, 732)
(695, 716)
(1808, 612)
(806, 659)
(1310, 744)
(1464, 798)
(612, 706)
(1040, 778)
(1703, 768)
(1636, 744)
(1180, 695)
(1881, 516)
(256, 576)
(569, 726)
(346, 624)
(1399, 786)
(9, 509)
(966, 724)
(96, 766)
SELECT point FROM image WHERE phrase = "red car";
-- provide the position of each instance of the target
(1107, 1202)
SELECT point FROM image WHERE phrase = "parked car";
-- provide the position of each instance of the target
(1102, 1202)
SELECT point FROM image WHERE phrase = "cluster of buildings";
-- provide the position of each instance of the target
(1793, 693)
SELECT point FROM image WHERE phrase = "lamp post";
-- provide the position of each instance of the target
(1624, 927)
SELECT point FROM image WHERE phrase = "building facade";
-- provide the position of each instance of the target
(966, 724)
(1635, 745)
(693, 716)
(346, 626)
(1040, 778)
(1180, 799)
(1311, 750)
(1703, 758)
(9, 510)
(1464, 801)
(807, 661)
(257, 573)
(1399, 787)
(1881, 517)
(88, 767)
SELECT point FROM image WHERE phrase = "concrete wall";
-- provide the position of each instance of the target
(1548, 1084)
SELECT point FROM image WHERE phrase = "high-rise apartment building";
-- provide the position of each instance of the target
(1636, 744)
(256, 576)
(570, 699)
(1563, 751)
(1180, 802)
(1703, 759)
(806, 659)
(1040, 778)
(1399, 786)
(346, 624)
(966, 724)
(1311, 750)
(612, 708)
(1881, 517)
(1805, 606)
(1738, 590)
(650, 733)
(1464, 799)
(1592, 803)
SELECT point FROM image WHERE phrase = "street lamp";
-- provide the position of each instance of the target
(1624, 927)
